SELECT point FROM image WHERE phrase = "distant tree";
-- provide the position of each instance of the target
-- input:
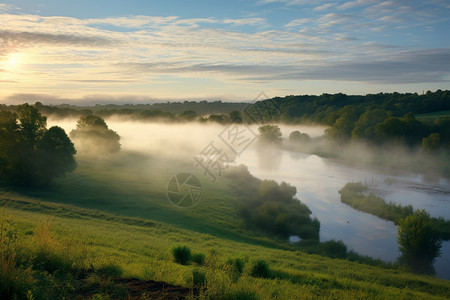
(29, 153)
(93, 135)
(188, 115)
(431, 142)
(218, 118)
(270, 134)
(365, 126)
(298, 137)
(236, 117)
(419, 242)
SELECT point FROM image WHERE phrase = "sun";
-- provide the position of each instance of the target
(13, 60)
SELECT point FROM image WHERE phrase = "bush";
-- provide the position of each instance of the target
(260, 269)
(182, 254)
(334, 249)
(198, 258)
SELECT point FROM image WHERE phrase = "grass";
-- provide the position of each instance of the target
(432, 116)
(144, 252)
(117, 222)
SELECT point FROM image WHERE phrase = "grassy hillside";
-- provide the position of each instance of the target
(111, 218)
(142, 249)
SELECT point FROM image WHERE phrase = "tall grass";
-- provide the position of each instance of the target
(114, 247)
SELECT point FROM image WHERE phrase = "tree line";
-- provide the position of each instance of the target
(33, 155)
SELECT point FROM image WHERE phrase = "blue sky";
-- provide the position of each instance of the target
(143, 51)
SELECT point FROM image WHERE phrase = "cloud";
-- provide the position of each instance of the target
(246, 21)
(299, 22)
(353, 4)
(325, 6)
(420, 66)
(7, 7)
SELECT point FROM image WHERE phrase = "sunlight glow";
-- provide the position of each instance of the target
(13, 61)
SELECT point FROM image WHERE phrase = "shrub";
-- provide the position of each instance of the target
(260, 269)
(198, 258)
(182, 254)
(334, 249)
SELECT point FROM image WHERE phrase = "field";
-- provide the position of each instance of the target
(432, 116)
(116, 216)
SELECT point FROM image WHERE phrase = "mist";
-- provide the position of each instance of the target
(318, 169)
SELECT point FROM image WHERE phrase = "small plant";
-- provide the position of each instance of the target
(235, 268)
(260, 269)
(198, 258)
(198, 278)
(182, 255)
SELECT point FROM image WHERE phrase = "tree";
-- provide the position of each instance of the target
(93, 135)
(431, 142)
(29, 153)
(270, 134)
(418, 242)
(55, 154)
(298, 137)
(188, 115)
(235, 117)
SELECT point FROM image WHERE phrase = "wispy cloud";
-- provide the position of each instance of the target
(341, 41)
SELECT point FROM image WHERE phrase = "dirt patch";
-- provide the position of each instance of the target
(155, 290)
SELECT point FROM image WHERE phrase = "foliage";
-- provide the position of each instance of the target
(93, 135)
(31, 154)
(418, 242)
(198, 278)
(141, 251)
(272, 207)
(235, 268)
(353, 194)
(298, 137)
(259, 268)
(270, 134)
(182, 254)
(431, 142)
(198, 258)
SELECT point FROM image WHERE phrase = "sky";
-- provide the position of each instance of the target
(155, 51)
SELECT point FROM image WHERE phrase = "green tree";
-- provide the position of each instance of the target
(298, 137)
(55, 154)
(188, 115)
(235, 117)
(418, 242)
(431, 142)
(93, 135)
(29, 153)
(270, 134)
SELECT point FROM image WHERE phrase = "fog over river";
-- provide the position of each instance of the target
(317, 180)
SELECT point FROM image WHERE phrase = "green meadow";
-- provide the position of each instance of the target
(111, 219)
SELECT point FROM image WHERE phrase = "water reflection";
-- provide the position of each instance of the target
(318, 181)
